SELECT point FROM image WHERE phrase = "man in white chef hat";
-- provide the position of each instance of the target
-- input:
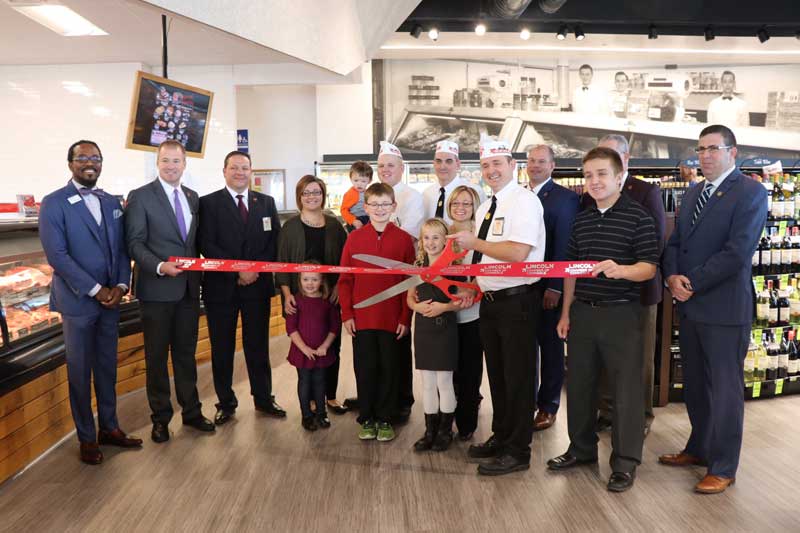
(447, 166)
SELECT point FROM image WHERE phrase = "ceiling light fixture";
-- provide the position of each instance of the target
(416, 31)
(709, 33)
(652, 33)
(562, 32)
(480, 29)
(525, 34)
(762, 35)
(59, 19)
(433, 33)
(579, 35)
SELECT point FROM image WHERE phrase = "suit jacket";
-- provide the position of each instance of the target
(649, 196)
(561, 205)
(224, 235)
(153, 236)
(716, 252)
(81, 258)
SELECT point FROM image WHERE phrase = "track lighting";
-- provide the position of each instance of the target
(579, 35)
(480, 29)
(416, 31)
(525, 34)
(652, 33)
(433, 34)
(709, 33)
(562, 33)
(762, 35)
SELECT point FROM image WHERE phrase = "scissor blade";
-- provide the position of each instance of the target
(394, 290)
(381, 261)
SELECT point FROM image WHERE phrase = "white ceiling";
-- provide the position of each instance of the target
(602, 51)
(134, 36)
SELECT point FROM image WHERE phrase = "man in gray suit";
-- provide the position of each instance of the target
(161, 220)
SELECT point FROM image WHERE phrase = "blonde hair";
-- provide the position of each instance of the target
(439, 225)
(456, 226)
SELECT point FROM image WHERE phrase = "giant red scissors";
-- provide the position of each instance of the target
(429, 275)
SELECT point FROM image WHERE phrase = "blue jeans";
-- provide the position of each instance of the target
(311, 386)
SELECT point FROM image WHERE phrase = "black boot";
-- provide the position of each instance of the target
(431, 427)
(445, 434)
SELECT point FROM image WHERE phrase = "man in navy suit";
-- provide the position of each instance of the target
(560, 207)
(82, 233)
(707, 264)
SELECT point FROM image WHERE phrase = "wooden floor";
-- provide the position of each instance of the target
(261, 474)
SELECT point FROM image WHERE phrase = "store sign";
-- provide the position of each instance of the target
(243, 141)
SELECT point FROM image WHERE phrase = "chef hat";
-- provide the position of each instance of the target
(390, 149)
(491, 147)
(448, 147)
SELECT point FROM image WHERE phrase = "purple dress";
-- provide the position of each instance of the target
(314, 319)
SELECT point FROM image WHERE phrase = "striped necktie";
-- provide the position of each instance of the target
(701, 202)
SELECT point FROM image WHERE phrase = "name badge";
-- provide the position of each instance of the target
(498, 225)
(267, 223)
(74, 199)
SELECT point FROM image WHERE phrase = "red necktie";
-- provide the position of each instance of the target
(242, 208)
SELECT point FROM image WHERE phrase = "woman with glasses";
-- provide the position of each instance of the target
(461, 208)
(312, 236)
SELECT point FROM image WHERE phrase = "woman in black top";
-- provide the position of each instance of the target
(312, 235)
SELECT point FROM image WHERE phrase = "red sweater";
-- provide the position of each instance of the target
(395, 244)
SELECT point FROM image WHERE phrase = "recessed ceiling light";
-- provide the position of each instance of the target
(480, 29)
(525, 34)
(433, 34)
(60, 19)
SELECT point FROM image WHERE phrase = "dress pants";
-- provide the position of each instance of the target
(332, 371)
(222, 319)
(508, 332)
(648, 330)
(467, 378)
(171, 328)
(405, 373)
(713, 376)
(375, 354)
(91, 350)
(606, 337)
(551, 362)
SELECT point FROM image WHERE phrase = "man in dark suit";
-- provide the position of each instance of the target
(82, 233)
(560, 207)
(649, 197)
(707, 263)
(162, 221)
(237, 223)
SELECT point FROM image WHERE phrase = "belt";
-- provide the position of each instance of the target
(604, 303)
(491, 296)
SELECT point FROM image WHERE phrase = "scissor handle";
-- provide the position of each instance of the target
(447, 257)
(445, 286)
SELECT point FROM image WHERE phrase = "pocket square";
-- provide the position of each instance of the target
(117, 213)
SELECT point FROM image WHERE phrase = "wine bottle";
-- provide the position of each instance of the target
(794, 303)
(788, 197)
(772, 358)
(765, 256)
(749, 362)
(777, 199)
(783, 357)
(762, 309)
(793, 367)
(760, 372)
(784, 309)
(775, 260)
(773, 306)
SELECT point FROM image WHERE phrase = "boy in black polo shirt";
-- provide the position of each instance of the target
(601, 315)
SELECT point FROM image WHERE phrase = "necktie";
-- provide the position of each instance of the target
(242, 207)
(701, 202)
(484, 230)
(440, 204)
(727, 97)
(97, 192)
(179, 215)
(585, 88)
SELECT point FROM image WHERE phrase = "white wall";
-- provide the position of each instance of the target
(344, 116)
(282, 124)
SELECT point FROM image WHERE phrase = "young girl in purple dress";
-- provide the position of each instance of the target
(312, 330)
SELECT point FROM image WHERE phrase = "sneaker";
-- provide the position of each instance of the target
(385, 432)
(368, 431)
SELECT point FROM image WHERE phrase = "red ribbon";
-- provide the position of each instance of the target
(548, 269)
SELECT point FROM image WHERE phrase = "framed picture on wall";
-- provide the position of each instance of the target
(164, 109)
(271, 181)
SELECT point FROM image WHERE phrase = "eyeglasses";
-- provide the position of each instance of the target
(461, 204)
(306, 194)
(385, 205)
(713, 149)
(84, 159)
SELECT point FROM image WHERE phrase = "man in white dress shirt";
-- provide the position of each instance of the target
(587, 99)
(447, 166)
(728, 109)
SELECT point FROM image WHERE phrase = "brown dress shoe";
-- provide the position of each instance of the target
(118, 438)
(90, 453)
(680, 459)
(543, 420)
(714, 484)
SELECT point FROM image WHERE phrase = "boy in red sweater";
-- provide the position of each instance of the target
(376, 329)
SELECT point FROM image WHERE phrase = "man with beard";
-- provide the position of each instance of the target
(82, 234)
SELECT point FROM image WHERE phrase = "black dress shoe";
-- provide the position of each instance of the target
(200, 423)
(485, 450)
(351, 403)
(223, 415)
(337, 409)
(309, 423)
(505, 464)
(271, 408)
(602, 424)
(566, 461)
(621, 481)
(160, 432)
(464, 436)
(323, 421)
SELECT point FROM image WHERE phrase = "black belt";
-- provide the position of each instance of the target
(491, 296)
(604, 303)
